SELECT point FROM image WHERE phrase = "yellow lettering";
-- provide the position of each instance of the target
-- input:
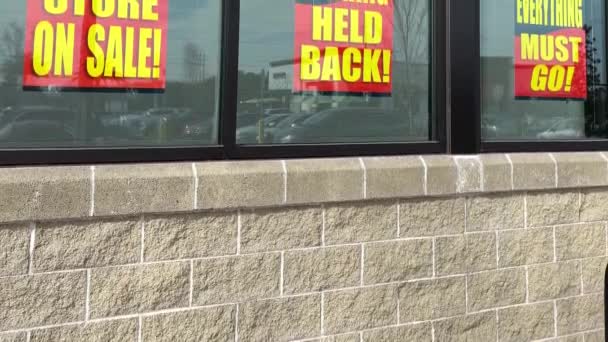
(95, 64)
(64, 50)
(56, 6)
(310, 68)
(148, 10)
(351, 73)
(143, 70)
(43, 48)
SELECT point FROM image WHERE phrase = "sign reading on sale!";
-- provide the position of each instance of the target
(96, 44)
(343, 46)
(550, 49)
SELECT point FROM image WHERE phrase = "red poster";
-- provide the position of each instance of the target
(550, 52)
(96, 44)
(343, 46)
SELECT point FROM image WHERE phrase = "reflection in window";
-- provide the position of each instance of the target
(506, 117)
(271, 110)
(185, 113)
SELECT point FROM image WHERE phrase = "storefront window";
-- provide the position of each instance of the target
(543, 69)
(334, 72)
(142, 74)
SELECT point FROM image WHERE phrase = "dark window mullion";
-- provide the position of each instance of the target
(464, 118)
(229, 75)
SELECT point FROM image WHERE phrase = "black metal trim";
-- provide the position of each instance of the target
(543, 146)
(465, 81)
(437, 122)
(504, 146)
(335, 150)
(107, 155)
(228, 95)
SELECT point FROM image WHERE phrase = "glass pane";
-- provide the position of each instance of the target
(154, 93)
(369, 81)
(543, 68)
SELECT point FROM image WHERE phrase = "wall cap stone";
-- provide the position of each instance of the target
(67, 192)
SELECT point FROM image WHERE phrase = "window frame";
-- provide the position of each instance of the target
(465, 38)
(227, 148)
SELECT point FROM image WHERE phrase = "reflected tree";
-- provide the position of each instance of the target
(11, 62)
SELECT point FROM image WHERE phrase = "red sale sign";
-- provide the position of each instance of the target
(550, 52)
(96, 44)
(343, 46)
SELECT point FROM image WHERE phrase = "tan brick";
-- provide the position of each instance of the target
(581, 169)
(280, 319)
(546, 209)
(359, 309)
(46, 299)
(495, 212)
(360, 222)
(432, 299)
(126, 290)
(397, 261)
(469, 174)
(593, 274)
(526, 246)
(442, 175)
(394, 177)
(465, 253)
(106, 331)
(339, 338)
(237, 184)
(190, 236)
(15, 337)
(209, 324)
(14, 250)
(526, 323)
(593, 205)
(321, 269)
(45, 193)
(86, 244)
(580, 314)
(272, 229)
(533, 171)
(496, 172)
(432, 217)
(580, 241)
(475, 327)
(596, 336)
(143, 188)
(417, 332)
(551, 281)
(496, 288)
(235, 279)
(324, 180)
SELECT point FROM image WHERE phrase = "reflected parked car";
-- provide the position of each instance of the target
(250, 134)
(343, 125)
(564, 129)
(38, 124)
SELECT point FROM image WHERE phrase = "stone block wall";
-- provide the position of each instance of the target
(433, 248)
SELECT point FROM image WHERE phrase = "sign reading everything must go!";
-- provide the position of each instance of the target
(343, 46)
(96, 44)
(550, 49)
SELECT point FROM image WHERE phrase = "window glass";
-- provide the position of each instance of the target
(543, 69)
(144, 75)
(334, 72)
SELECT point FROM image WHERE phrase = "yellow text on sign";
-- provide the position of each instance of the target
(53, 49)
(118, 58)
(554, 79)
(343, 25)
(122, 9)
(352, 65)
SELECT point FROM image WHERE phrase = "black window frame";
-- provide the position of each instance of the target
(465, 58)
(227, 148)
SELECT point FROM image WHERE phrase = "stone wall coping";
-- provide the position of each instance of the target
(67, 192)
